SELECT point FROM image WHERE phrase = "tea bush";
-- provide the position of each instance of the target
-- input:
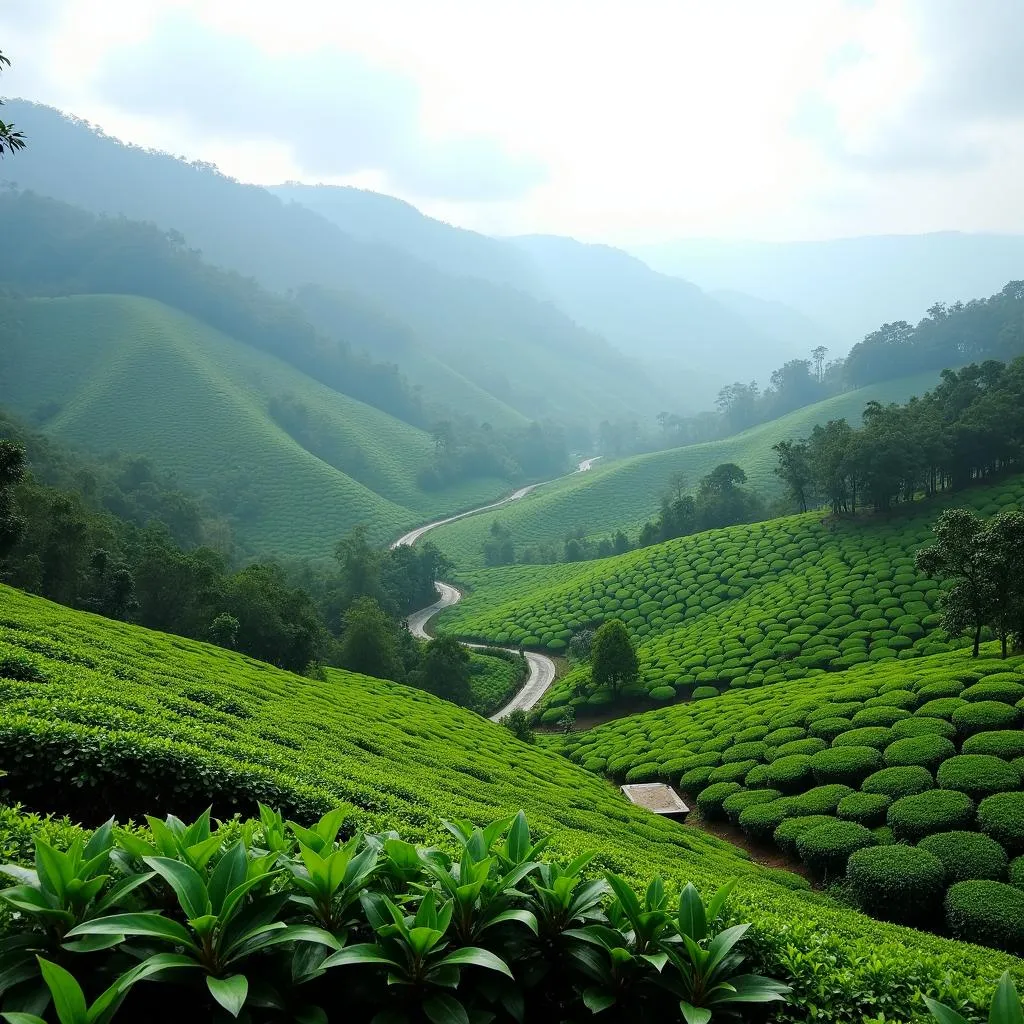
(897, 883)
(732, 608)
(1001, 816)
(864, 808)
(826, 848)
(913, 817)
(978, 775)
(987, 912)
(966, 855)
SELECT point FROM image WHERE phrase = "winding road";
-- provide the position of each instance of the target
(542, 668)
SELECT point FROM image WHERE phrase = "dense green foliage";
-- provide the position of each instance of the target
(964, 809)
(625, 493)
(264, 915)
(143, 721)
(947, 336)
(743, 606)
(113, 372)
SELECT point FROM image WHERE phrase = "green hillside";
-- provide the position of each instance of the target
(295, 463)
(126, 720)
(929, 754)
(624, 494)
(738, 607)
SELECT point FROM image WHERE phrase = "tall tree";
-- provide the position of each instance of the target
(12, 470)
(957, 555)
(370, 642)
(794, 468)
(444, 671)
(613, 660)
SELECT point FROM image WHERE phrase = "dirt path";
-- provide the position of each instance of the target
(542, 668)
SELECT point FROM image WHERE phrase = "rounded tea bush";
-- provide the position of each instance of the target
(826, 848)
(896, 883)
(696, 779)
(879, 716)
(914, 817)
(760, 821)
(983, 716)
(929, 751)
(978, 775)
(846, 765)
(710, 801)
(821, 799)
(1002, 817)
(1007, 691)
(790, 830)
(923, 727)
(897, 782)
(810, 745)
(737, 803)
(789, 774)
(735, 771)
(988, 913)
(703, 692)
(829, 728)
(877, 736)
(864, 808)
(966, 855)
(1016, 872)
(1005, 743)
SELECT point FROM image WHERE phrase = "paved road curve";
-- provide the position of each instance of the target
(542, 668)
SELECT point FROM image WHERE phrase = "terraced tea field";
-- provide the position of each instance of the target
(112, 717)
(834, 769)
(624, 494)
(739, 607)
(117, 372)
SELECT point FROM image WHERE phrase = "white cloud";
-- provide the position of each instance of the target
(621, 120)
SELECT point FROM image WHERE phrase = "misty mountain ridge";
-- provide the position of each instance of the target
(850, 285)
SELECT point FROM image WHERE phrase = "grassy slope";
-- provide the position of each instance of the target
(145, 706)
(741, 606)
(132, 374)
(626, 493)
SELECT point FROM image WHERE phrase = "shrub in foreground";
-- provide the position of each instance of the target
(1001, 816)
(983, 716)
(928, 750)
(966, 855)
(1005, 743)
(790, 830)
(864, 808)
(989, 913)
(913, 817)
(846, 765)
(738, 802)
(897, 782)
(826, 848)
(978, 775)
(710, 801)
(269, 921)
(896, 883)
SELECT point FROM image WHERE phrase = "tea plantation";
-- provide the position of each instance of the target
(624, 494)
(119, 372)
(98, 717)
(739, 607)
(837, 768)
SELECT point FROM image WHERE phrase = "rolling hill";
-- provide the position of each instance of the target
(738, 608)
(510, 344)
(295, 463)
(624, 494)
(129, 720)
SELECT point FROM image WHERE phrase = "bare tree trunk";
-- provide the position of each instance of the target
(977, 639)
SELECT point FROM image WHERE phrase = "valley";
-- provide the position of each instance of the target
(379, 500)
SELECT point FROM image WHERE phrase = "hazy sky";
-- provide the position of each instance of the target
(615, 120)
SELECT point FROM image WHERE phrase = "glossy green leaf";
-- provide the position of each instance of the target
(230, 992)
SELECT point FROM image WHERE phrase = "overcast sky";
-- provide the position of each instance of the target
(615, 120)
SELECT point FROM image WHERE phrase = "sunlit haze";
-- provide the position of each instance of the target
(621, 122)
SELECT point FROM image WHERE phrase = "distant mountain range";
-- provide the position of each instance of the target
(850, 285)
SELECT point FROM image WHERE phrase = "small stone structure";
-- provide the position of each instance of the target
(659, 798)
